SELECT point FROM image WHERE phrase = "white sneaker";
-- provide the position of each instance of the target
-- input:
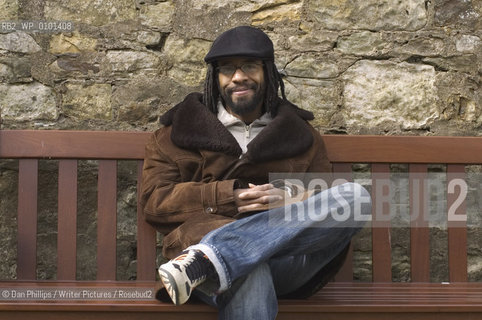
(183, 273)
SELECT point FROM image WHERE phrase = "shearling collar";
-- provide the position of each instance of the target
(195, 127)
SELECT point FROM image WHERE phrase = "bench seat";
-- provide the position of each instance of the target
(336, 301)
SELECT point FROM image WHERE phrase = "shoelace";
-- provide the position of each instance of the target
(199, 268)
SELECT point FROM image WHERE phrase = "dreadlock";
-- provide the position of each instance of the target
(211, 89)
(273, 80)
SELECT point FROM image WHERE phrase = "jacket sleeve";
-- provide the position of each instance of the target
(166, 199)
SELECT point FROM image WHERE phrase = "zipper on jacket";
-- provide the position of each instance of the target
(247, 131)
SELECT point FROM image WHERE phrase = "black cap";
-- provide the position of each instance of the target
(244, 41)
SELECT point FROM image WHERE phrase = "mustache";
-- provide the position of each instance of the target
(252, 86)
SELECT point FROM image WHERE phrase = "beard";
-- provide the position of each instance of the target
(243, 105)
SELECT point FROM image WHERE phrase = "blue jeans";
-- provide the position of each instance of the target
(275, 252)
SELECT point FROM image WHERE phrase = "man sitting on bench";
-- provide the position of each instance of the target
(206, 187)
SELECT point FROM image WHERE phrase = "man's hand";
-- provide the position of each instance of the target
(256, 197)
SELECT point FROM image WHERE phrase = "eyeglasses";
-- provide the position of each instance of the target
(249, 68)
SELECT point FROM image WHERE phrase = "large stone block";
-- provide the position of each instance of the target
(313, 41)
(468, 44)
(15, 69)
(85, 102)
(312, 66)
(364, 43)
(92, 12)
(18, 41)
(141, 100)
(148, 38)
(27, 102)
(40, 62)
(75, 65)
(460, 101)
(74, 43)
(259, 5)
(8, 10)
(186, 59)
(282, 13)
(460, 13)
(318, 96)
(223, 15)
(385, 93)
(466, 63)
(421, 46)
(130, 61)
(368, 14)
(158, 16)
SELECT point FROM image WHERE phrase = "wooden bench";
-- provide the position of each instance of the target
(343, 299)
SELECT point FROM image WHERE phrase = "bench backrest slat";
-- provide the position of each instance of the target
(457, 230)
(27, 219)
(146, 238)
(107, 220)
(403, 149)
(51, 144)
(341, 148)
(381, 238)
(67, 220)
(419, 232)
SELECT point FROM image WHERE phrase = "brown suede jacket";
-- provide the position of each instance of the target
(193, 164)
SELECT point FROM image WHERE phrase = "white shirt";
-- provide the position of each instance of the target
(243, 133)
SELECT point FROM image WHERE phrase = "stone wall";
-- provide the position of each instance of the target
(362, 66)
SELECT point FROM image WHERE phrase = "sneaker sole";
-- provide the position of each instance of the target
(170, 285)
